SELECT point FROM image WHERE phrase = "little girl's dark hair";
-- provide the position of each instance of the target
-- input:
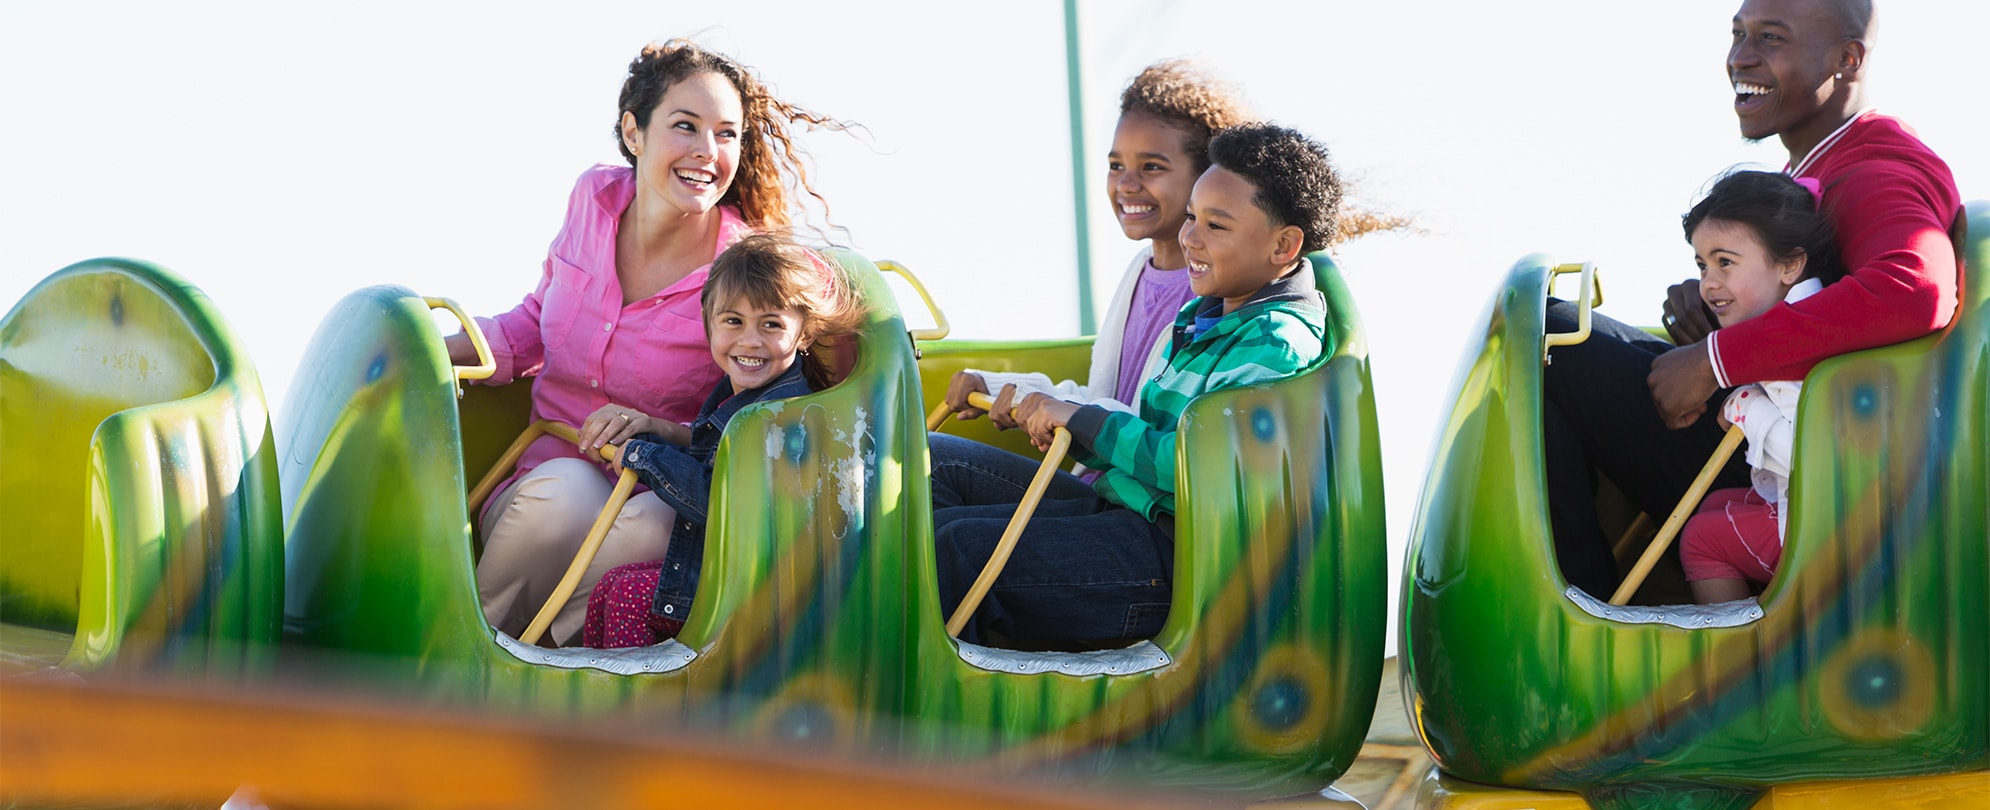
(771, 270)
(1783, 214)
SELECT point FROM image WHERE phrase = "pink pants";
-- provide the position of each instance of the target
(1733, 535)
(618, 612)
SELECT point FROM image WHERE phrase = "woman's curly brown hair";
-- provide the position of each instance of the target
(766, 151)
(1179, 94)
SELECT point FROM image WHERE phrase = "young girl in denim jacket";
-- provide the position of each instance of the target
(765, 303)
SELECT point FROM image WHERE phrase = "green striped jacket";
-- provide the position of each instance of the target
(1277, 333)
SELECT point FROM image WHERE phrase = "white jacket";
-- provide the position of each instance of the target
(1767, 414)
(1103, 380)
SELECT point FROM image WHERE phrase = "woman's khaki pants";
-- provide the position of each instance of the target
(534, 527)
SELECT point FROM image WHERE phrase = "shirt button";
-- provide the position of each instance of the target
(594, 383)
(607, 326)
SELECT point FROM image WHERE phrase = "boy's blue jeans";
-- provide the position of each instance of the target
(1086, 569)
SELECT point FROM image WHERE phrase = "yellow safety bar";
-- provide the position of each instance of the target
(595, 534)
(1060, 443)
(1678, 518)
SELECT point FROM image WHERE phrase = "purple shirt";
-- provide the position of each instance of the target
(1157, 297)
(583, 346)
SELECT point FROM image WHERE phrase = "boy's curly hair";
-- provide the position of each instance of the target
(1296, 183)
(1179, 94)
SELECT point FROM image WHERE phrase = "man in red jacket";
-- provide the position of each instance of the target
(1640, 410)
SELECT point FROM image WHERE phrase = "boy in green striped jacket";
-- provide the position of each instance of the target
(1099, 565)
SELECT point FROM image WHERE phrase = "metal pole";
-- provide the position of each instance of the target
(1080, 196)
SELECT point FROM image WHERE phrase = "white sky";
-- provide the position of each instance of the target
(281, 156)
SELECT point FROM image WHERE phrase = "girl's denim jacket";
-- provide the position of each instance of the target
(682, 477)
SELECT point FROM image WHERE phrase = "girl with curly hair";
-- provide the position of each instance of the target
(1161, 145)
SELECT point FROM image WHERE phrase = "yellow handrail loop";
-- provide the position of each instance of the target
(1591, 283)
(940, 326)
(486, 363)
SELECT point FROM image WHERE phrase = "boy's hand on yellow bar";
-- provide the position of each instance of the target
(1042, 415)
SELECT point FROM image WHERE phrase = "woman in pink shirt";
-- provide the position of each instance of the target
(613, 335)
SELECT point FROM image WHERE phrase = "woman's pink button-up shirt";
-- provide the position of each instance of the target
(584, 348)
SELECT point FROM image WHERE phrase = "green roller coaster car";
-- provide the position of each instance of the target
(139, 522)
(380, 452)
(817, 617)
(1864, 660)
(1264, 679)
